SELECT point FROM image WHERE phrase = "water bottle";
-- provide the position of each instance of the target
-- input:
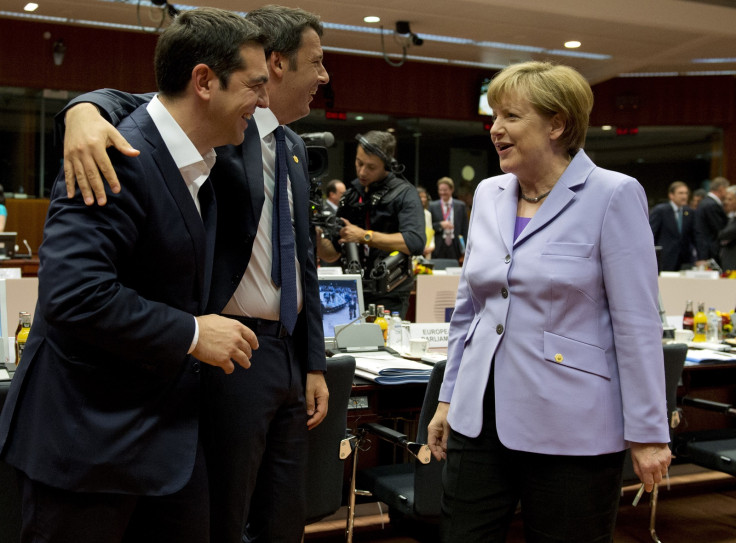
(713, 332)
(394, 340)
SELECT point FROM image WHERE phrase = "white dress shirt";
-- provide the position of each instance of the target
(194, 168)
(257, 295)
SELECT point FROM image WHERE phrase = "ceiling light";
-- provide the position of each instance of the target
(573, 44)
(606, 127)
(31, 6)
(371, 19)
(358, 117)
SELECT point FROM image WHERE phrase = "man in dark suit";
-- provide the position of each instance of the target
(256, 421)
(450, 222)
(102, 419)
(334, 191)
(709, 220)
(673, 224)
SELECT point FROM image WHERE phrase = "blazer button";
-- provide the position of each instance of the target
(504, 292)
(196, 367)
(559, 357)
(499, 329)
(507, 259)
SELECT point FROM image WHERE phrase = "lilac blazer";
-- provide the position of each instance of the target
(569, 311)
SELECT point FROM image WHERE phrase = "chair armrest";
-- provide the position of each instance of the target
(418, 450)
(710, 405)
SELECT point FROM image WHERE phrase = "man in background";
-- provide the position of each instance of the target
(450, 222)
(334, 191)
(382, 213)
(697, 196)
(710, 218)
(103, 416)
(673, 226)
(256, 421)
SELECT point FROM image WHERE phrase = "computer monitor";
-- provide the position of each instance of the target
(341, 297)
(7, 244)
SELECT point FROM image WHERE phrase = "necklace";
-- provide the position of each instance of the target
(533, 200)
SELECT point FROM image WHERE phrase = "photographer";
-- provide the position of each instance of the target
(382, 213)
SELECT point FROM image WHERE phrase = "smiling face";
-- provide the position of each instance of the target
(232, 107)
(301, 77)
(525, 140)
(444, 191)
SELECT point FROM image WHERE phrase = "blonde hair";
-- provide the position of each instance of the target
(551, 89)
(446, 181)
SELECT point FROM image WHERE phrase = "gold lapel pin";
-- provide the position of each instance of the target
(295, 159)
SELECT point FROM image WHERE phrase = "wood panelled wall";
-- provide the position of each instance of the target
(105, 58)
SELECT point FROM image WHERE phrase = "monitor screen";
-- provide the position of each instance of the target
(341, 297)
(7, 244)
(483, 107)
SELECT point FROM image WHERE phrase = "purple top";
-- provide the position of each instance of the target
(521, 223)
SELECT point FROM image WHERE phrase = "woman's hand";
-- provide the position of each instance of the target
(438, 431)
(651, 462)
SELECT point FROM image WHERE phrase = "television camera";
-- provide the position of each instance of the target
(387, 273)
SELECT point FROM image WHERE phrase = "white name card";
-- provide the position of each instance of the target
(436, 333)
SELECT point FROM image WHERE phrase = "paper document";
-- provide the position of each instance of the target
(389, 369)
(706, 356)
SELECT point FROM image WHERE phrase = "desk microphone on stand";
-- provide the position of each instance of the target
(364, 336)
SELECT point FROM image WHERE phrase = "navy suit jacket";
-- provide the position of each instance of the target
(710, 219)
(238, 181)
(105, 398)
(677, 247)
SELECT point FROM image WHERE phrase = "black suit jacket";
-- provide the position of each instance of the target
(677, 247)
(106, 398)
(710, 218)
(727, 238)
(238, 180)
(460, 222)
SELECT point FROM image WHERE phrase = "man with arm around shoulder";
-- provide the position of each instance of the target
(102, 419)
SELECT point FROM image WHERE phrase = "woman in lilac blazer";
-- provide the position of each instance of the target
(555, 361)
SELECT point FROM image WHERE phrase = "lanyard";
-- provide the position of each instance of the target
(446, 210)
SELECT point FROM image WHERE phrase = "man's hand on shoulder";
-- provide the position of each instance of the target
(86, 139)
(223, 341)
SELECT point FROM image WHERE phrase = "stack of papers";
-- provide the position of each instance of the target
(708, 356)
(385, 369)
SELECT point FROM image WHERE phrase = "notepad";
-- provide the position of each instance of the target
(706, 356)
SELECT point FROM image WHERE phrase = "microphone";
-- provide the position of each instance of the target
(319, 139)
(363, 315)
(30, 252)
(365, 336)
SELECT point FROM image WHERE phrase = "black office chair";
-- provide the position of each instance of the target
(712, 449)
(674, 360)
(329, 444)
(413, 490)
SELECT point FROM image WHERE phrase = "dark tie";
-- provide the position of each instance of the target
(679, 219)
(283, 271)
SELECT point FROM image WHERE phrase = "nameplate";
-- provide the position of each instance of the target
(436, 333)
